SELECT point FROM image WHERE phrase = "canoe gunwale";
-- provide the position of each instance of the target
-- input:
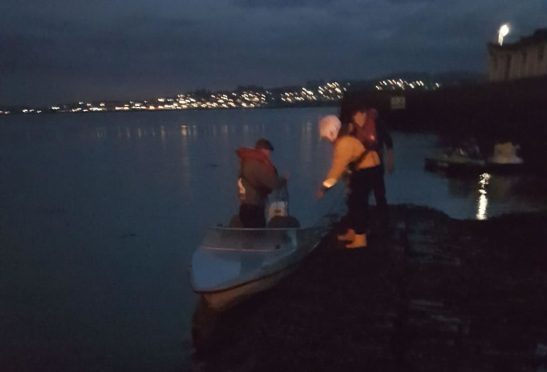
(254, 280)
(299, 255)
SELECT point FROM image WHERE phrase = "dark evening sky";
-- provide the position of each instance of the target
(55, 51)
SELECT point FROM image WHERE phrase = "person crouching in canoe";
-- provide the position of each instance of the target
(257, 178)
(350, 154)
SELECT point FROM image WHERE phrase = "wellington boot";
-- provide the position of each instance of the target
(360, 241)
(347, 237)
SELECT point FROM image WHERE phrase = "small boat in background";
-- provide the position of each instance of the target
(505, 158)
(455, 161)
(232, 264)
(461, 161)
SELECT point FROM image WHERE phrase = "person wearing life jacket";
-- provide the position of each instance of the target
(374, 136)
(350, 153)
(257, 178)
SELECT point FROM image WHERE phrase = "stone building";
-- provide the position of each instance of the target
(522, 59)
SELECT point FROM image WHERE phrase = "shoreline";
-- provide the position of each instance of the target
(435, 294)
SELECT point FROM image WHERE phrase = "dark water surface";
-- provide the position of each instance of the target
(100, 213)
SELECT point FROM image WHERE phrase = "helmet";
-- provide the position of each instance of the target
(329, 126)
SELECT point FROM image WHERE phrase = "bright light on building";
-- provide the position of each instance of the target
(503, 32)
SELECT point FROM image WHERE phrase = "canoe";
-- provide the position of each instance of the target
(232, 264)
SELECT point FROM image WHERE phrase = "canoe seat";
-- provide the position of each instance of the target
(283, 221)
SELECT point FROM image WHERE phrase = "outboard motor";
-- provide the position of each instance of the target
(278, 210)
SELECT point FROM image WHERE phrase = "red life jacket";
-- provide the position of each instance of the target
(245, 154)
(248, 153)
(367, 133)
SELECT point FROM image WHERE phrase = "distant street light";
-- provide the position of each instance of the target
(502, 32)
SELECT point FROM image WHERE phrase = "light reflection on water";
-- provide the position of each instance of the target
(482, 203)
(103, 211)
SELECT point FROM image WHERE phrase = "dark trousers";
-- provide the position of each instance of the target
(252, 215)
(379, 189)
(361, 183)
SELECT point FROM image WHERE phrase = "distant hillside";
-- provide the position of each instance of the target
(443, 78)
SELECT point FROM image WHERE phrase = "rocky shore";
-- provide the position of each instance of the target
(435, 294)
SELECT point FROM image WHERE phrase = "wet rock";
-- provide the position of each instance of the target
(425, 298)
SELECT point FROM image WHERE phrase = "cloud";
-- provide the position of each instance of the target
(171, 46)
(272, 4)
(406, 2)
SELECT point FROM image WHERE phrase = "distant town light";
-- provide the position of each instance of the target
(503, 32)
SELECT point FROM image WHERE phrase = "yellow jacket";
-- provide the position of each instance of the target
(346, 150)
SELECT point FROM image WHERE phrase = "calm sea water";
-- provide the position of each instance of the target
(100, 213)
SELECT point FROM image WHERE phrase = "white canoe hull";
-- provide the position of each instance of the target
(233, 264)
(224, 299)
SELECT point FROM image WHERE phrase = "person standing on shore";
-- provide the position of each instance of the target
(257, 179)
(375, 136)
(364, 163)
